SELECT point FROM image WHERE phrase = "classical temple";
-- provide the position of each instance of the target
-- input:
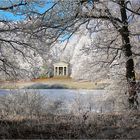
(61, 69)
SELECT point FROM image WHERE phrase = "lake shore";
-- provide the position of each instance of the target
(63, 83)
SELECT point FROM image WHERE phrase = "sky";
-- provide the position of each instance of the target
(7, 15)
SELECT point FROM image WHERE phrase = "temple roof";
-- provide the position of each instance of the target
(61, 64)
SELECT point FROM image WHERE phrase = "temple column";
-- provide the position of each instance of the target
(67, 71)
(57, 71)
(63, 71)
(54, 70)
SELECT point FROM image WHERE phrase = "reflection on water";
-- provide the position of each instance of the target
(67, 100)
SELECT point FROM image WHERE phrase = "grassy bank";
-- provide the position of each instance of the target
(91, 126)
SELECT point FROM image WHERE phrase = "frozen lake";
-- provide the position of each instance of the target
(67, 100)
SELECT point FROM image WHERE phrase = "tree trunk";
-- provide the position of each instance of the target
(130, 72)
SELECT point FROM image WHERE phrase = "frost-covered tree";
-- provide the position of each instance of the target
(66, 17)
(19, 50)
